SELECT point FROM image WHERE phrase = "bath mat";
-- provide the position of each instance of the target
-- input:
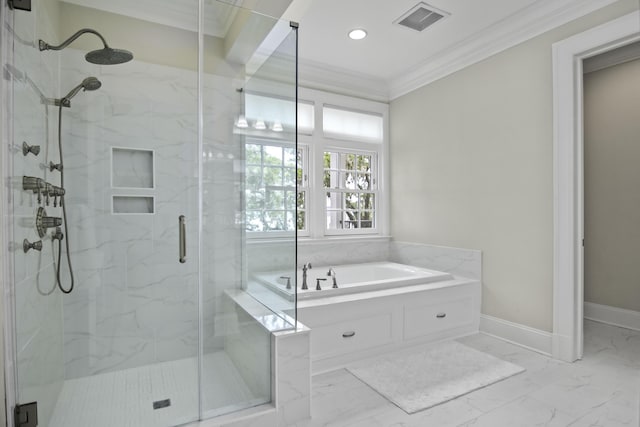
(421, 379)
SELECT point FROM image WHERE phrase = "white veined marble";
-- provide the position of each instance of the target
(135, 305)
(603, 389)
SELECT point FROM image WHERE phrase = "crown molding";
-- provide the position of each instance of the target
(539, 17)
(315, 75)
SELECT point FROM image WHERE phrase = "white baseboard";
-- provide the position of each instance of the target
(629, 319)
(524, 336)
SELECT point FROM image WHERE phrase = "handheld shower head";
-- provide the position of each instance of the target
(90, 83)
(104, 56)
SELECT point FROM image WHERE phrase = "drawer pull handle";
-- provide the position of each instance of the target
(348, 334)
(441, 315)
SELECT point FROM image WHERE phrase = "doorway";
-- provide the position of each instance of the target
(568, 57)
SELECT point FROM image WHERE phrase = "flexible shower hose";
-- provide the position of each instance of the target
(63, 204)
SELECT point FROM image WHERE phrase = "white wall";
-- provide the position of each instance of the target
(471, 167)
(612, 176)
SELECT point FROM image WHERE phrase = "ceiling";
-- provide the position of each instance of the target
(390, 50)
(393, 60)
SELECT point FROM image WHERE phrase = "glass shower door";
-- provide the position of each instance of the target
(158, 329)
(122, 348)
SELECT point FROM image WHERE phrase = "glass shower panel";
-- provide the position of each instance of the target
(273, 174)
(236, 362)
(122, 348)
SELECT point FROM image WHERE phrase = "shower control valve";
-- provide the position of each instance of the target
(48, 191)
(43, 222)
(55, 192)
(34, 184)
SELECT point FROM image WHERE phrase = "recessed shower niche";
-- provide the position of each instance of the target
(132, 168)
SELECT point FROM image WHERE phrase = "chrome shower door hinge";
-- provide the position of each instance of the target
(26, 415)
(20, 4)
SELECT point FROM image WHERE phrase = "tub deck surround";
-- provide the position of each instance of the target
(456, 261)
(345, 328)
(350, 278)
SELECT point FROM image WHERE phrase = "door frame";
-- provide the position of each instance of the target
(568, 175)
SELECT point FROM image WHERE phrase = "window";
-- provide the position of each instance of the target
(270, 109)
(337, 187)
(352, 125)
(349, 181)
(270, 187)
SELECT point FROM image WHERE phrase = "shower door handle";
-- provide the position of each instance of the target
(183, 239)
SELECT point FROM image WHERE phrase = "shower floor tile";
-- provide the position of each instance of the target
(125, 398)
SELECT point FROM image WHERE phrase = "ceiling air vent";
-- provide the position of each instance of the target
(421, 16)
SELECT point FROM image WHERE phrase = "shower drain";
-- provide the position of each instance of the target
(159, 404)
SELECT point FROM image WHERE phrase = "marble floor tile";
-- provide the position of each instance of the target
(523, 412)
(601, 390)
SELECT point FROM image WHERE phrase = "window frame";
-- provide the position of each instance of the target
(373, 190)
(319, 143)
(313, 146)
(274, 142)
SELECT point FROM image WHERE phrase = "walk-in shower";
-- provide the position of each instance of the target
(144, 340)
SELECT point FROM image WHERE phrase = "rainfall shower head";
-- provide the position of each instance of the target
(90, 83)
(104, 56)
(109, 56)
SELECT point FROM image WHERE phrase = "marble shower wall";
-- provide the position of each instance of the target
(38, 304)
(135, 304)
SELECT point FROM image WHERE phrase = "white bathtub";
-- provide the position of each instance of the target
(351, 278)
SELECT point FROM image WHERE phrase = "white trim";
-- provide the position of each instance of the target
(316, 203)
(568, 175)
(538, 18)
(515, 333)
(531, 21)
(615, 316)
(619, 56)
(318, 76)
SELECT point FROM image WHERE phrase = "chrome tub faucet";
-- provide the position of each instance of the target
(332, 273)
(305, 267)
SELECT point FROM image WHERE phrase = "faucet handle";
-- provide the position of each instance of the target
(288, 281)
(318, 288)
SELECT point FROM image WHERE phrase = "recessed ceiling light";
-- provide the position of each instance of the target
(357, 34)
